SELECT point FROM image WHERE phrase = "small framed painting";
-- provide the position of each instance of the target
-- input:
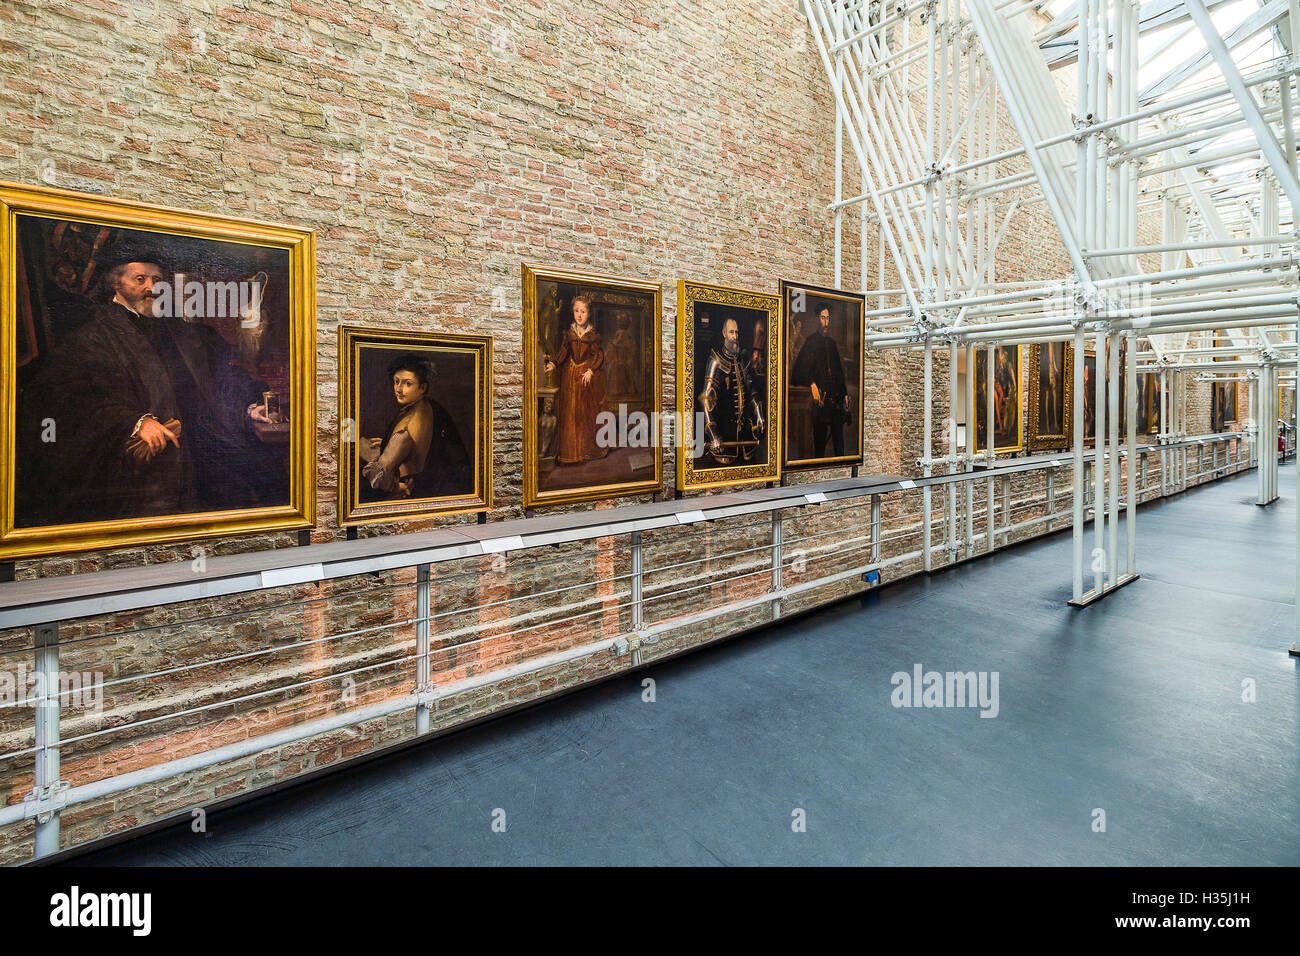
(415, 424)
(1008, 423)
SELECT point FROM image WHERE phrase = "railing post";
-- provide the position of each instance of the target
(1051, 496)
(875, 529)
(1113, 465)
(954, 531)
(970, 517)
(47, 783)
(927, 505)
(776, 563)
(638, 622)
(1099, 470)
(988, 517)
(1166, 427)
(1007, 518)
(1131, 456)
(1182, 430)
(423, 714)
(990, 446)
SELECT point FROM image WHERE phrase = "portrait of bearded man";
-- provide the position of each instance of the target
(732, 402)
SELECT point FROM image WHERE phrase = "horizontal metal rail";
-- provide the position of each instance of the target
(853, 537)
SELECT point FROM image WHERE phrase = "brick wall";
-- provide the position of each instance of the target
(433, 147)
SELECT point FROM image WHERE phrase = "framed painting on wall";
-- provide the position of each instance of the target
(415, 424)
(1223, 405)
(1051, 396)
(1090, 397)
(1008, 422)
(1223, 395)
(822, 377)
(1148, 403)
(728, 386)
(592, 386)
(158, 370)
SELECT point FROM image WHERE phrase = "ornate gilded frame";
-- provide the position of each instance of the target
(858, 303)
(533, 495)
(19, 200)
(977, 436)
(352, 339)
(1051, 442)
(689, 294)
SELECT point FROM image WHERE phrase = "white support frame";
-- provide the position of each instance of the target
(911, 92)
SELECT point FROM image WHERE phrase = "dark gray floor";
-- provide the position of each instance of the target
(1133, 706)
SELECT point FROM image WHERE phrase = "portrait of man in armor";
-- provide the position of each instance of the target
(726, 349)
(733, 407)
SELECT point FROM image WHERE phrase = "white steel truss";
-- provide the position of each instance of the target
(1166, 160)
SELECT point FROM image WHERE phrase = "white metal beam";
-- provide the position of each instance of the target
(1260, 20)
(1250, 109)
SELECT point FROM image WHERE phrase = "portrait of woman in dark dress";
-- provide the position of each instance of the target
(421, 454)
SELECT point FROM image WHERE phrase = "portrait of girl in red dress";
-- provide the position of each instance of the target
(581, 362)
(591, 386)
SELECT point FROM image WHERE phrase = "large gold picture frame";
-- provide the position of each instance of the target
(809, 421)
(445, 415)
(1051, 396)
(1007, 362)
(232, 350)
(590, 436)
(755, 454)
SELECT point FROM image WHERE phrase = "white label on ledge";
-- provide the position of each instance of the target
(280, 577)
(814, 498)
(690, 517)
(502, 545)
(907, 483)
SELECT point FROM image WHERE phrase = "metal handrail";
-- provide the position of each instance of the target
(110, 588)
